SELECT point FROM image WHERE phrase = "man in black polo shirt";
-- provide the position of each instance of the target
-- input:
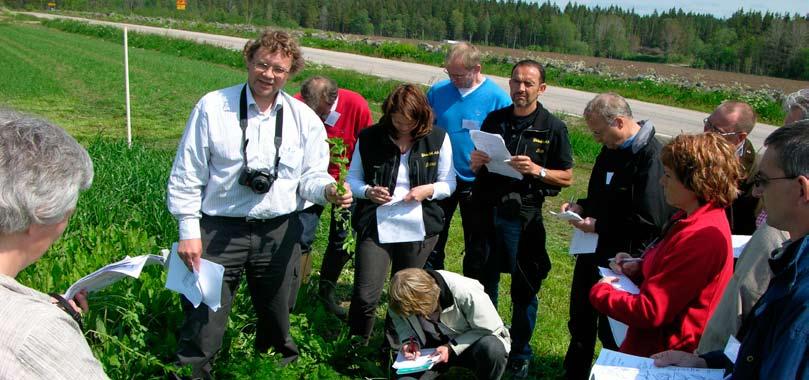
(541, 152)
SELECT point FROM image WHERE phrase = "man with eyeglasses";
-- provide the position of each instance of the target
(734, 121)
(774, 336)
(344, 113)
(460, 104)
(624, 205)
(751, 273)
(250, 157)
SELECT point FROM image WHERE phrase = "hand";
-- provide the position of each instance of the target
(477, 159)
(574, 207)
(442, 353)
(378, 194)
(79, 302)
(678, 359)
(629, 269)
(343, 201)
(586, 225)
(411, 350)
(190, 251)
(524, 165)
(419, 193)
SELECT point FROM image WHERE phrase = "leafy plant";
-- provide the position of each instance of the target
(337, 149)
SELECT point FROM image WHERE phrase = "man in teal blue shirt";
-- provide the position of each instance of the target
(460, 105)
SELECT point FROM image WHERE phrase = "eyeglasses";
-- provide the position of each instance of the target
(457, 76)
(709, 127)
(761, 181)
(263, 67)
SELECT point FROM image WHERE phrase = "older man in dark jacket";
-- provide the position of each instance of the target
(625, 206)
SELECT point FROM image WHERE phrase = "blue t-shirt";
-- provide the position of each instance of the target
(458, 115)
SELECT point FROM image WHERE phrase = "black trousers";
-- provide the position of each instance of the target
(267, 252)
(335, 257)
(470, 222)
(487, 358)
(585, 322)
(370, 272)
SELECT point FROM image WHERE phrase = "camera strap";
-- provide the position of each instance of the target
(279, 122)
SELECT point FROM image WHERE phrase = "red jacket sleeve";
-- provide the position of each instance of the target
(679, 273)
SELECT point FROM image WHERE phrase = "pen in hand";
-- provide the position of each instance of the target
(626, 260)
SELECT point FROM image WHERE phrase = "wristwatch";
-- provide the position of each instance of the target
(542, 173)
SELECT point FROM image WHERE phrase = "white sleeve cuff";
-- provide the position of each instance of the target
(189, 229)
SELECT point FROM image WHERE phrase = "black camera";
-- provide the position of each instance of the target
(258, 180)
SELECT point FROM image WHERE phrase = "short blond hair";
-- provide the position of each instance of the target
(413, 292)
(706, 164)
(275, 41)
(467, 53)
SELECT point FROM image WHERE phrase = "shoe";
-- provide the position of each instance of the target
(326, 294)
(518, 368)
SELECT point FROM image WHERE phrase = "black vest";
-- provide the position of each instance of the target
(380, 165)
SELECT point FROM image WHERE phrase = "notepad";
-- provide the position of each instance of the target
(425, 361)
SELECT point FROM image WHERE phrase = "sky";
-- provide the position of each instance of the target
(718, 8)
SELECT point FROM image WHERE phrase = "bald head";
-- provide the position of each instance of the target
(319, 93)
(733, 120)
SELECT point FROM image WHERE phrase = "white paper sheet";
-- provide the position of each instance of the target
(612, 365)
(583, 242)
(494, 146)
(200, 287)
(567, 216)
(424, 362)
(128, 267)
(732, 348)
(624, 283)
(398, 221)
(739, 242)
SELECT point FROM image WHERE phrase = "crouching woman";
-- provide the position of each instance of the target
(453, 315)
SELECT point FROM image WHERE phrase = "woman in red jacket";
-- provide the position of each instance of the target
(682, 274)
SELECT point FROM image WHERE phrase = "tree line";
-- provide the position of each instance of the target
(749, 41)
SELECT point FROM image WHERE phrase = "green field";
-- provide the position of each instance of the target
(77, 81)
(673, 94)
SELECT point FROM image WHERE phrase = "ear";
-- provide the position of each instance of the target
(742, 136)
(804, 184)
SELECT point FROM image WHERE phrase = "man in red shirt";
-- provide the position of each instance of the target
(344, 113)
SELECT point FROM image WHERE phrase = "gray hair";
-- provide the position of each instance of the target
(800, 100)
(466, 52)
(42, 170)
(318, 88)
(791, 144)
(607, 107)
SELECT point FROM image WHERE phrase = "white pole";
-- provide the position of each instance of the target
(126, 79)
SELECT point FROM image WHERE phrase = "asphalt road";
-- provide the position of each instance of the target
(668, 120)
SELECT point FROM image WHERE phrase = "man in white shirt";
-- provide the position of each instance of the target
(235, 188)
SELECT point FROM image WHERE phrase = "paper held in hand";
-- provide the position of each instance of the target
(624, 283)
(111, 273)
(425, 361)
(568, 216)
(612, 365)
(200, 287)
(494, 146)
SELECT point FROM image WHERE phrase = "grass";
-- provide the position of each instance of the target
(768, 110)
(132, 325)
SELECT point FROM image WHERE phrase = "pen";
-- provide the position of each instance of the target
(627, 260)
(507, 160)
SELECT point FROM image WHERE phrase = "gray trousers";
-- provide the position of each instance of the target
(267, 251)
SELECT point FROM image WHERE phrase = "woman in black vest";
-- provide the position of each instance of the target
(400, 168)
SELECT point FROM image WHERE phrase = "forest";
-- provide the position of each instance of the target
(751, 42)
